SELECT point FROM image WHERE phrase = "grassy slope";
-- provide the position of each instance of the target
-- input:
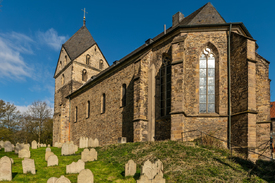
(181, 164)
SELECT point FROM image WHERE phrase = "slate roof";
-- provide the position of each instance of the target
(272, 109)
(207, 14)
(79, 43)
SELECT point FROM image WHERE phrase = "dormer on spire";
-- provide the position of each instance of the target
(84, 19)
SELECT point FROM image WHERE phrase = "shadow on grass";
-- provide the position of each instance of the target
(14, 174)
(226, 164)
(263, 169)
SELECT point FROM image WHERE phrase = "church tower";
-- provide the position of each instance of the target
(80, 58)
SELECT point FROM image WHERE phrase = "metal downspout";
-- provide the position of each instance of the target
(229, 88)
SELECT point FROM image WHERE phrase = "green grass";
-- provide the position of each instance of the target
(181, 164)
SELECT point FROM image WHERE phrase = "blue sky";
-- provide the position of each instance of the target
(32, 32)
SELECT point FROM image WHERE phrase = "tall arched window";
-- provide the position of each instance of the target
(100, 64)
(84, 75)
(165, 86)
(88, 109)
(103, 103)
(123, 95)
(88, 59)
(62, 79)
(207, 82)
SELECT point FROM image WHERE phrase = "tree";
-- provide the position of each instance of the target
(40, 112)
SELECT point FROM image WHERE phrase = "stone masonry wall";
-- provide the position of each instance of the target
(116, 121)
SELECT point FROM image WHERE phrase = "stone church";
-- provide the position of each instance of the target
(202, 75)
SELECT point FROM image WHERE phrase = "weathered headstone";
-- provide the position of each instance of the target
(85, 176)
(87, 155)
(48, 154)
(8, 146)
(34, 144)
(55, 144)
(26, 146)
(2, 143)
(49, 145)
(158, 179)
(67, 149)
(63, 179)
(28, 166)
(122, 140)
(152, 169)
(143, 179)
(48, 149)
(5, 168)
(24, 153)
(75, 148)
(75, 167)
(52, 160)
(51, 180)
(130, 168)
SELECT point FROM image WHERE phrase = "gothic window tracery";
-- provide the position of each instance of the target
(207, 82)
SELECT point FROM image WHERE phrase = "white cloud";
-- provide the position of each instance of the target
(51, 38)
(22, 109)
(12, 64)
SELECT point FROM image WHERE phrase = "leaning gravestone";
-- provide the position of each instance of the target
(152, 169)
(87, 155)
(28, 166)
(51, 180)
(5, 168)
(34, 144)
(48, 149)
(52, 160)
(8, 146)
(47, 155)
(130, 168)
(85, 176)
(24, 153)
(75, 167)
(63, 179)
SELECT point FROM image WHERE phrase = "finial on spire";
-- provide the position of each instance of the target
(84, 19)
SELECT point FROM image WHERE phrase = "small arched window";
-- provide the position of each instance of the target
(103, 103)
(65, 59)
(100, 64)
(62, 79)
(60, 63)
(84, 75)
(123, 95)
(75, 115)
(88, 109)
(207, 82)
(88, 59)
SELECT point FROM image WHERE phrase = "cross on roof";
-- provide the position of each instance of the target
(84, 12)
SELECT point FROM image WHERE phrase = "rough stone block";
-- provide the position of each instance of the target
(5, 168)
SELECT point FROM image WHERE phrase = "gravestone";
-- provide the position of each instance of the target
(34, 144)
(24, 153)
(26, 146)
(75, 148)
(67, 149)
(55, 144)
(158, 179)
(2, 143)
(51, 180)
(87, 155)
(48, 149)
(63, 179)
(47, 155)
(122, 140)
(130, 168)
(5, 169)
(28, 166)
(8, 146)
(49, 145)
(75, 167)
(143, 179)
(52, 160)
(85, 176)
(152, 169)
